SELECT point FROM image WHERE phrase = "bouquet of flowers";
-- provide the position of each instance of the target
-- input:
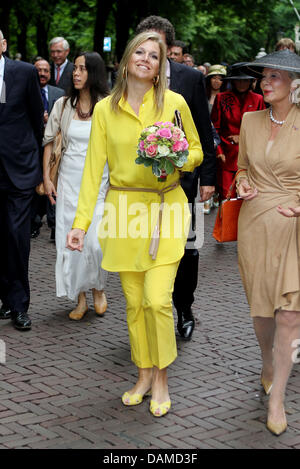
(164, 147)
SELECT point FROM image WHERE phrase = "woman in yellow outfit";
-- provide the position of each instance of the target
(138, 100)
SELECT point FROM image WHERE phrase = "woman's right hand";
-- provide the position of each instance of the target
(50, 190)
(222, 157)
(75, 239)
(245, 191)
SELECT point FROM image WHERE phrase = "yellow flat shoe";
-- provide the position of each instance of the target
(159, 410)
(134, 399)
(267, 385)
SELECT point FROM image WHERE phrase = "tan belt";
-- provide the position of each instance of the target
(154, 243)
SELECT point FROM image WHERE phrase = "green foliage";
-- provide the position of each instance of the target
(74, 21)
(215, 31)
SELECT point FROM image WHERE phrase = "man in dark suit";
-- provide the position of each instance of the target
(61, 68)
(50, 94)
(21, 129)
(190, 84)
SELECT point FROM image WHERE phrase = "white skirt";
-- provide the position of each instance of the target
(76, 271)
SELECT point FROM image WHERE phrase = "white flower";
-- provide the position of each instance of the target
(151, 129)
(163, 150)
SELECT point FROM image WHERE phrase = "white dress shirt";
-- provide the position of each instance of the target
(61, 68)
(168, 73)
(46, 92)
(2, 63)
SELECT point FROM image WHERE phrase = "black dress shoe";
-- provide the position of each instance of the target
(185, 325)
(21, 321)
(5, 312)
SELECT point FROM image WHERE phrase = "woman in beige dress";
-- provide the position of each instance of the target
(268, 231)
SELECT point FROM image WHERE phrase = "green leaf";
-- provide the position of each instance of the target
(148, 162)
(155, 168)
(169, 167)
(139, 160)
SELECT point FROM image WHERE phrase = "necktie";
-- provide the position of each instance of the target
(45, 101)
(57, 74)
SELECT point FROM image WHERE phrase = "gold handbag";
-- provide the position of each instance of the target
(55, 159)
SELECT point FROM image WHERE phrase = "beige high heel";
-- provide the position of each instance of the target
(81, 309)
(100, 301)
(267, 385)
(277, 428)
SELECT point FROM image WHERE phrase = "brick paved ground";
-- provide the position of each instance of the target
(62, 382)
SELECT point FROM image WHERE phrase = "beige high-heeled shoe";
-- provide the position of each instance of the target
(100, 301)
(267, 385)
(81, 309)
(277, 428)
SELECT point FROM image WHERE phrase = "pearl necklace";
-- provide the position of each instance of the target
(275, 120)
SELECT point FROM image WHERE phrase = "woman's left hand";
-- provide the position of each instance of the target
(234, 139)
(289, 212)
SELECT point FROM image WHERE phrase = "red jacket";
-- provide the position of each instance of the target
(226, 115)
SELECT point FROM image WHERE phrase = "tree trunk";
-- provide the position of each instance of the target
(123, 17)
(42, 38)
(5, 13)
(22, 35)
(103, 9)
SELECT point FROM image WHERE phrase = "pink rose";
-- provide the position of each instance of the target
(177, 134)
(165, 133)
(185, 144)
(151, 138)
(151, 150)
(178, 146)
(142, 145)
(158, 124)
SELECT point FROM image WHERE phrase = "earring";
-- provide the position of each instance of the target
(156, 80)
(124, 72)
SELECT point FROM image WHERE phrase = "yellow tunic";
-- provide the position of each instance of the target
(129, 217)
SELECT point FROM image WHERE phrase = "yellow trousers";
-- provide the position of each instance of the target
(150, 316)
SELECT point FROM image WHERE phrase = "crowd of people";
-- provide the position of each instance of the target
(240, 122)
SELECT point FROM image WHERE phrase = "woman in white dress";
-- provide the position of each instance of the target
(76, 273)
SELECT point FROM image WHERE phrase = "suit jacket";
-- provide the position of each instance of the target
(226, 114)
(190, 84)
(65, 78)
(21, 124)
(53, 94)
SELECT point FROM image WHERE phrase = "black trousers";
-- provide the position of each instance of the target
(41, 206)
(187, 274)
(15, 218)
